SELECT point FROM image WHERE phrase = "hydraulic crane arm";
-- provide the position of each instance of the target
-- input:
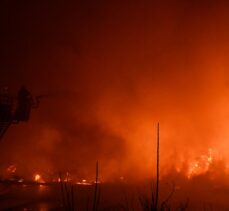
(10, 115)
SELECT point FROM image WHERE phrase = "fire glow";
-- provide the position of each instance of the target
(84, 182)
(201, 165)
(38, 178)
(12, 169)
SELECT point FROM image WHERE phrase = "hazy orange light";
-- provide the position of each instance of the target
(12, 169)
(201, 165)
(37, 177)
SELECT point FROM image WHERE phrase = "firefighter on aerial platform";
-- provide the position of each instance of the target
(11, 113)
(25, 103)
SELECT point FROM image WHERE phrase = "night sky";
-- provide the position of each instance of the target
(110, 70)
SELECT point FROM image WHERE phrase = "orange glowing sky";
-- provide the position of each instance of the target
(111, 71)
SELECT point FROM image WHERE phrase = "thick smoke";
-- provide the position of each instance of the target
(110, 71)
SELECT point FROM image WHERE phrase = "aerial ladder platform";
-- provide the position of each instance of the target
(15, 110)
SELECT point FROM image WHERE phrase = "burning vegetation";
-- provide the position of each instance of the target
(106, 72)
(209, 165)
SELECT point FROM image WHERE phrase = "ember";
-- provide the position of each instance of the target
(84, 182)
(38, 178)
(12, 169)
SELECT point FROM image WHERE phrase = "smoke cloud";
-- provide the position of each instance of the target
(110, 71)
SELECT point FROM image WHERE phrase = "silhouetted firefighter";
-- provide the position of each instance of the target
(9, 114)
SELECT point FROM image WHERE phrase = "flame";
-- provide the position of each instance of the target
(38, 178)
(84, 182)
(200, 165)
(12, 169)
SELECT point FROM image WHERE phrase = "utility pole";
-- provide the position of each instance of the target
(157, 170)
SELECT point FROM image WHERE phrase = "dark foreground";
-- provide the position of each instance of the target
(113, 196)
